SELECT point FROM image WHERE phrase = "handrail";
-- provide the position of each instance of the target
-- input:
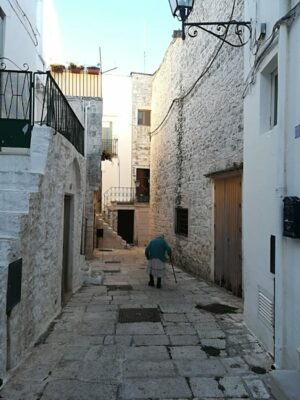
(57, 113)
(25, 97)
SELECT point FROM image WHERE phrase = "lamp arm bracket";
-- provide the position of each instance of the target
(242, 31)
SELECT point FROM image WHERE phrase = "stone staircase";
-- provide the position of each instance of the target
(21, 174)
(110, 239)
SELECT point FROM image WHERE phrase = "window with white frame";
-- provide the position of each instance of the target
(269, 96)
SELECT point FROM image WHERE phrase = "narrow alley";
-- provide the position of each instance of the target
(126, 340)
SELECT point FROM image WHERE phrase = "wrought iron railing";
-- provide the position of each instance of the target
(119, 195)
(57, 113)
(26, 98)
(16, 108)
(122, 195)
(109, 148)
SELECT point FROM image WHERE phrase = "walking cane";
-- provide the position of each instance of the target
(173, 269)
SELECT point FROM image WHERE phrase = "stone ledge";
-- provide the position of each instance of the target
(285, 384)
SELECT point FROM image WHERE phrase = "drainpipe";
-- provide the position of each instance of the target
(87, 106)
(281, 190)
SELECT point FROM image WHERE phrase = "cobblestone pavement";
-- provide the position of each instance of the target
(190, 354)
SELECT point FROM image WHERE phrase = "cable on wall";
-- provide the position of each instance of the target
(200, 77)
(31, 32)
(288, 18)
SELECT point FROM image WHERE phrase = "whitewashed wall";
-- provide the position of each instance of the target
(23, 41)
(52, 170)
(117, 100)
(271, 172)
(202, 134)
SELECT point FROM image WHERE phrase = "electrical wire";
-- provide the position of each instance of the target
(200, 77)
(33, 35)
(268, 43)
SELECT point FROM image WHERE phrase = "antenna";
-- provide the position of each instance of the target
(145, 46)
(100, 59)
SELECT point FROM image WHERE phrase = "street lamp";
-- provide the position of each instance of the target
(182, 9)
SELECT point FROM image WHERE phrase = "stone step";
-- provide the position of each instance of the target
(9, 249)
(27, 181)
(33, 159)
(285, 384)
(14, 200)
(10, 222)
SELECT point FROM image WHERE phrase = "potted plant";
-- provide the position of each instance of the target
(57, 68)
(93, 70)
(106, 155)
(75, 69)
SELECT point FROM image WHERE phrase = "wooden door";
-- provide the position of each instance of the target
(228, 233)
(142, 184)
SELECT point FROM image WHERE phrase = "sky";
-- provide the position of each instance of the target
(133, 34)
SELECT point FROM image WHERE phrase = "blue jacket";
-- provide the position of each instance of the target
(157, 248)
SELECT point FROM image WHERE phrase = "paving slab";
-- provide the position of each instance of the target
(148, 369)
(182, 340)
(140, 328)
(187, 352)
(191, 367)
(233, 387)
(206, 387)
(175, 388)
(151, 340)
(147, 353)
(74, 390)
(88, 354)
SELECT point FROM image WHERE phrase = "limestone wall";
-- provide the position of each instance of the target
(141, 100)
(202, 133)
(38, 240)
(89, 112)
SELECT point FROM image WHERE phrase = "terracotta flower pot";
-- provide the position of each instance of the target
(93, 70)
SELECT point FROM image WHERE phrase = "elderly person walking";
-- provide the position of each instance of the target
(155, 252)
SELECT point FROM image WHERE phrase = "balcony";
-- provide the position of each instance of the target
(123, 196)
(78, 81)
(27, 98)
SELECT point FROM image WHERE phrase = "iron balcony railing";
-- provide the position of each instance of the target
(27, 98)
(123, 195)
(16, 108)
(57, 113)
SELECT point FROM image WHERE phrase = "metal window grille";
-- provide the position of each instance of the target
(181, 226)
(144, 117)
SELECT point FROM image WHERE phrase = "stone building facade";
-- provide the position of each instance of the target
(46, 190)
(141, 102)
(196, 136)
(43, 194)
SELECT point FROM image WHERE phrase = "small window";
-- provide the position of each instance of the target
(181, 223)
(269, 96)
(144, 117)
(274, 98)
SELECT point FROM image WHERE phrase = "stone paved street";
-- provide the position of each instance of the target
(190, 354)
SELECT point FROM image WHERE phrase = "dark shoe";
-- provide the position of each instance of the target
(158, 283)
(151, 282)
